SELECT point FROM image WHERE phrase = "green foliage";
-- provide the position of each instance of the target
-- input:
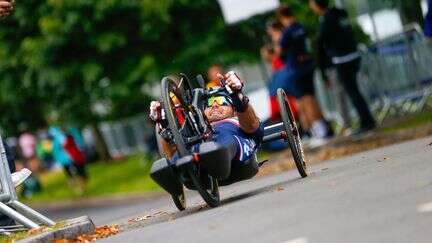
(60, 58)
(64, 56)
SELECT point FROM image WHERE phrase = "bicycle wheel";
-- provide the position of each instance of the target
(293, 135)
(174, 104)
(209, 193)
(171, 97)
(180, 200)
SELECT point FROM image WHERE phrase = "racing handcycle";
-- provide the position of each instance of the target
(204, 171)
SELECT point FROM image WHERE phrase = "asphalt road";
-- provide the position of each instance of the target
(384, 195)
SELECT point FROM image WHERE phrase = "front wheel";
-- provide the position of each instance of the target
(180, 200)
(206, 186)
(293, 135)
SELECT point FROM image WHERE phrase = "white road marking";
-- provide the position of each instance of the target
(298, 240)
(425, 208)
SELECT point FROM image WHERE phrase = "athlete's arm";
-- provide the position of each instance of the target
(248, 120)
(155, 115)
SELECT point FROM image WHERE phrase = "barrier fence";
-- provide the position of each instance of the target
(127, 136)
(395, 77)
(9, 204)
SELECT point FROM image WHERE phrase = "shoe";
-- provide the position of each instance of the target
(20, 176)
(316, 142)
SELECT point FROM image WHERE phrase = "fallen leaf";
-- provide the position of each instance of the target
(100, 232)
(280, 189)
(138, 219)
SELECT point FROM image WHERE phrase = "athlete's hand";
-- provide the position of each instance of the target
(155, 111)
(233, 81)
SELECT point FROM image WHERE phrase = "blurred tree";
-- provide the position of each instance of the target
(84, 61)
(88, 60)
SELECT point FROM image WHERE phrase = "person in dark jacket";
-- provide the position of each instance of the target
(337, 46)
(428, 20)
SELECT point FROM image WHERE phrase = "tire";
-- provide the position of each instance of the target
(168, 85)
(211, 196)
(293, 135)
(180, 201)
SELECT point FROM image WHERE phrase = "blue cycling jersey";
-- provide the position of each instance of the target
(228, 132)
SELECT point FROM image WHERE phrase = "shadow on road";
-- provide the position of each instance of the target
(161, 217)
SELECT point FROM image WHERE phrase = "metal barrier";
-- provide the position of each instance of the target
(395, 77)
(127, 136)
(9, 204)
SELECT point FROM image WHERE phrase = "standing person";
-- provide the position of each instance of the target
(336, 41)
(76, 174)
(300, 66)
(27, 155)
(428, 21)
(270, 53)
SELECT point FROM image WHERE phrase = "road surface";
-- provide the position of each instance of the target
(383, 195)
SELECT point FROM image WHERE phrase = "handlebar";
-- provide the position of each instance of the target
(224, 89)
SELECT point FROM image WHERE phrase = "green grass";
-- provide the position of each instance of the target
(127, 176)
(414, 121)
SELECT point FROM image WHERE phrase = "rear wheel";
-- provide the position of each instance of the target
(293, 135)
(180, 200)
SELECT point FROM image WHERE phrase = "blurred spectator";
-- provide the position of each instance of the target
(298, 76)
(6, 7)
(27, 157)
(428, 20)
(64, 152)
(212, 79)
(44, 149)
(336, 42)
(270, 53)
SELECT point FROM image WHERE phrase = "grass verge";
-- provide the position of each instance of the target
(127, 176)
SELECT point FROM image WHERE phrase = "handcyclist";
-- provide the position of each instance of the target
(235, 124)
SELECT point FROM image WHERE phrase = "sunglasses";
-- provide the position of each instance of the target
(220, 100)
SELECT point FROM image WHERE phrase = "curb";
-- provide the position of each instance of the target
(72, 229)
